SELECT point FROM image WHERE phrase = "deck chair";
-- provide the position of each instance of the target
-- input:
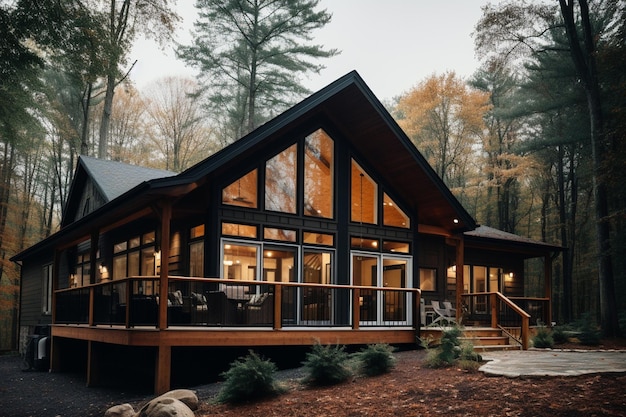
(425, 315)
(443, 314)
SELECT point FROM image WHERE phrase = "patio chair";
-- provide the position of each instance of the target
(443, 314)
(425, 315)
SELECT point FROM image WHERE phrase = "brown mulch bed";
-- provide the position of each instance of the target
(412, 389)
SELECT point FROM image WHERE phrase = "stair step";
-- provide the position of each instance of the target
(486, 340)
(489, 348)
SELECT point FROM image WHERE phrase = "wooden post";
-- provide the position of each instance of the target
(278, 301)
(166, 216)
(460, 262)
(55, 357)
(525, 332)
(93, 371)
(163, 369)
(356, 308)
(91, 306)
(417, 299)
(493, 300)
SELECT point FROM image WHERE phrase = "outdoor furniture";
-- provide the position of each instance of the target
(424, 314)
(443, 314)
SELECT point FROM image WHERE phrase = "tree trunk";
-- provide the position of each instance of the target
(106, 113)
(585, 63)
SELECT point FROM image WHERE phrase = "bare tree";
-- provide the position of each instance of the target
(179, 128)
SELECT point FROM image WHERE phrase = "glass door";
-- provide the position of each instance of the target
(379, 306)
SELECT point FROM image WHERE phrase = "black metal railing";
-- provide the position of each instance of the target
(208, 302)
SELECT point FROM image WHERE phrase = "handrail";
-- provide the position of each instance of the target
(516, 309)
(127, 284)
(496, 296)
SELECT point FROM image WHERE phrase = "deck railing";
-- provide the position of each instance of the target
(501, 311)
(210, 302)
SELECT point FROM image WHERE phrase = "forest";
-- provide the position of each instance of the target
(533, 143)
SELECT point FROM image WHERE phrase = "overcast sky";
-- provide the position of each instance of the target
(393, 44)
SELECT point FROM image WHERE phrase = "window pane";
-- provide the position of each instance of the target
(397, 247)
(148, 238)
(318, 175)
(196, 259)
(280, 181)
(363, 243)
(197, 231)
(279, 264)
(119, 267)
(279, 234)
(318, 238)
(240, 262)
(133, 264)
(119, 247)
(428, 279)
(243, 192)
(394, 276)
(236, 229)
(364, 196)
(148, 262)
(393, 215)
(134, 242)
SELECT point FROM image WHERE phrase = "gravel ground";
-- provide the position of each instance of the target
(43, 394)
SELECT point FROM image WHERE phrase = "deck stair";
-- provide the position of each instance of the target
(485, 339)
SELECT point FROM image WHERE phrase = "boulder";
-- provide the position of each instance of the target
(186, 396)
(165, 407)
(122, 410)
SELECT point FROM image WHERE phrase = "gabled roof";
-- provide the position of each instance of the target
(495, 239)
(347, 105)
(350, 106)
(114, 178)
(110, 178)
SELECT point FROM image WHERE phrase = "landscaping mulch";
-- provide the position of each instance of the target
(411, 389)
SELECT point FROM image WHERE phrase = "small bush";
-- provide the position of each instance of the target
(249, 378)
(448, 351)
(326, 365)
(589, 332)
(376, 359)
(543, 338)
(560, 334)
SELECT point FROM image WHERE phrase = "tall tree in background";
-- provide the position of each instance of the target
(444, 118)
(535, 29)
(250, 54)
(504, 167)
(127, 18)
(583, 38)
(179, 129)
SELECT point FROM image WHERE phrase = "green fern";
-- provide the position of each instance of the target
(326, 365)
(249, 378)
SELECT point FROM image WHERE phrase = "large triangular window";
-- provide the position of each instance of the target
(243, 192)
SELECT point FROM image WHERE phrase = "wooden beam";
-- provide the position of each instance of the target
(224, 337)
(166, 217)
(93, 371)
(460, 271)
(278, 297)
(162, 377)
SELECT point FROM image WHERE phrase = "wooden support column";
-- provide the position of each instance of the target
(166, 217)
(93, 262)
(547, 276)
(55, 357)
(93, 359)
(460, 262)
(278, 302)
(163, 369)
(356, 308)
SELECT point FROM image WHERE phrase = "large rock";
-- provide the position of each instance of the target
(165, 407)
(186, 396)
(122, 410)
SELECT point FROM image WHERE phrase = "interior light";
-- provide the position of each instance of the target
(375, 243)
(455, 221)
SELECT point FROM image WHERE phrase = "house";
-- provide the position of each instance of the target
(324, 224)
